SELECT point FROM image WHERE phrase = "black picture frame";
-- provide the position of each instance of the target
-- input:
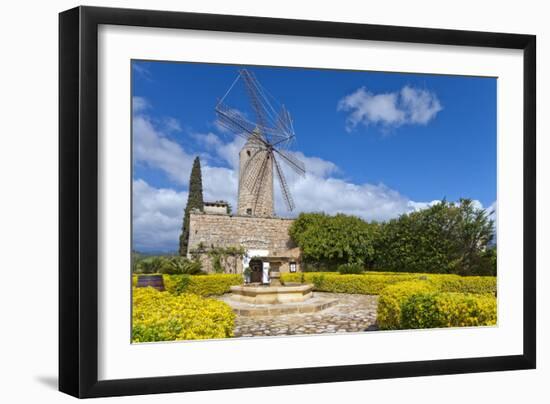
(78, 201)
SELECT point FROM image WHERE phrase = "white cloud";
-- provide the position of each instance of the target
(157, 217)
(422, 205)
(142, 71)
(139, 104)
(409, 106)
(317, 166)
(171, 124)
(219, 183)
(222, 152)
(331, 195)
(153, 148)
(421, 106)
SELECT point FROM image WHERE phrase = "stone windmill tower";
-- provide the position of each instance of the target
(257, 202)
(267, 142)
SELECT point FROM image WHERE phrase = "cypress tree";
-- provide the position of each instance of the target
(194, 201)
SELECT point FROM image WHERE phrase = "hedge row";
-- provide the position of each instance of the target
(418, 304)
(464, 284)
(162, 316)
(392, 298)
(449, 310)
(373, 283)
(203, 285)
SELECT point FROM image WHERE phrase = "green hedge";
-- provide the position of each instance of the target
(435, 310)
(162, 316)
(203, 285)
(464, 284)
(372, 283)
(392, 299)
(419, 304)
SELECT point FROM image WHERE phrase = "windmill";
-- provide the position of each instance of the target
(268, 139)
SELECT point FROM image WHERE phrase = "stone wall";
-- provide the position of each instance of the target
(215, 209)
(252, 233)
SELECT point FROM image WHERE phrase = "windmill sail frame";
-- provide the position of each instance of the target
(269, 135)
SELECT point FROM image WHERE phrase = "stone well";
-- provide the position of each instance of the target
(258, 294)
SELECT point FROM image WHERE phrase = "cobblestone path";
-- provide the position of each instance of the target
(352, 313)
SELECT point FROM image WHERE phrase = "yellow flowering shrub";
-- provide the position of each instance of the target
(392, 298)
(365, 284)
(372, 283)
(464, 284)
(162, 316)
(434, 310)
(203, 285)
(293, 277)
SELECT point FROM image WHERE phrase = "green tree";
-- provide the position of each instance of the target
(333, 240)
(475, 234)
(194, 201)
(444, 238)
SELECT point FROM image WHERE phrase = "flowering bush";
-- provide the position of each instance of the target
(392, 299)
(372, 283)
(464, 284)
(203, 285)
(419, 304)
(365, 284)
(161, 316)
(412, 300)
(448, 310)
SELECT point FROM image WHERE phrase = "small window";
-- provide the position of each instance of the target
(292, 267)
(248, 153)
(249, 211)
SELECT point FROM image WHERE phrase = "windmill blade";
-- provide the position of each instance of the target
(268, 135)
(292, 161)
(261, 181)
(277, 124)
(253, 176)
(265, 113)
(284, 122)
(252, 165)
(255, 97)
(287, 196)
(255, 182)
(234, 121)
(240, 126)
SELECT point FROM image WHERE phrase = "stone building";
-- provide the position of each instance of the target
(268, 249)
(216, 208)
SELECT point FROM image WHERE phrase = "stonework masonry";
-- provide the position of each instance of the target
(255, 166)
(252, 233)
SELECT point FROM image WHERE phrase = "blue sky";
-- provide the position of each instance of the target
(374, 144)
